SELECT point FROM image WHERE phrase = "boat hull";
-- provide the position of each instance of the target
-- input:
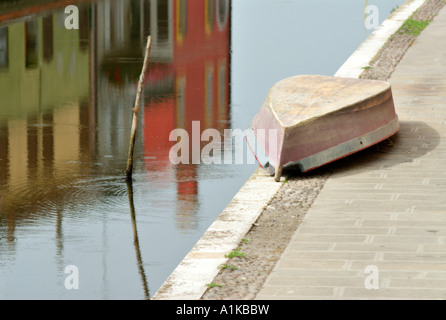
(309, 134)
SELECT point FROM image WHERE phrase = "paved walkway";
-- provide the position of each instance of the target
(378, 228)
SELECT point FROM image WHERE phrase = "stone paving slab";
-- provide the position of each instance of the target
(382, 214)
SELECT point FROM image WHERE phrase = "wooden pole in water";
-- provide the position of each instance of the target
(135, 109)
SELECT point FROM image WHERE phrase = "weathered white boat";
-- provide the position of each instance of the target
(311, 120)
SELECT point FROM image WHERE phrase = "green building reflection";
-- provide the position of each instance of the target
(44, 90)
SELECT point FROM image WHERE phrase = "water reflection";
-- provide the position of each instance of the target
(136, 240)
(65, 116)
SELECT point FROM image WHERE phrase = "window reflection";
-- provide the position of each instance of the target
(84, 28)
(208, 94)
(145, 19)
(48, 45)
(222, 13)
(4, 47)
(181, 23)
(31, 44)
(209, 15)
(163, 20)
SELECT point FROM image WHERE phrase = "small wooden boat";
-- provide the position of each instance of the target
(311, 120)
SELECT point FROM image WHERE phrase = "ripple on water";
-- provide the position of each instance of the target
(88, 196)
(97, 194)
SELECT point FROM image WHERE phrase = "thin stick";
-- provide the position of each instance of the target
(129, 168)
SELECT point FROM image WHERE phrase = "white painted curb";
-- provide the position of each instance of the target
(353, 66)
(200, 266)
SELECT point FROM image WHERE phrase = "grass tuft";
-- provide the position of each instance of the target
(413, 27)
(235, 253)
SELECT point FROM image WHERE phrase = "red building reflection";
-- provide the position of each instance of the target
(199, 71)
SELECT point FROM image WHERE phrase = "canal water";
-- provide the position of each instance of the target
(70, 225)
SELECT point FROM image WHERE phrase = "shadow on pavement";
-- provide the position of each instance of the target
(414, 140)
